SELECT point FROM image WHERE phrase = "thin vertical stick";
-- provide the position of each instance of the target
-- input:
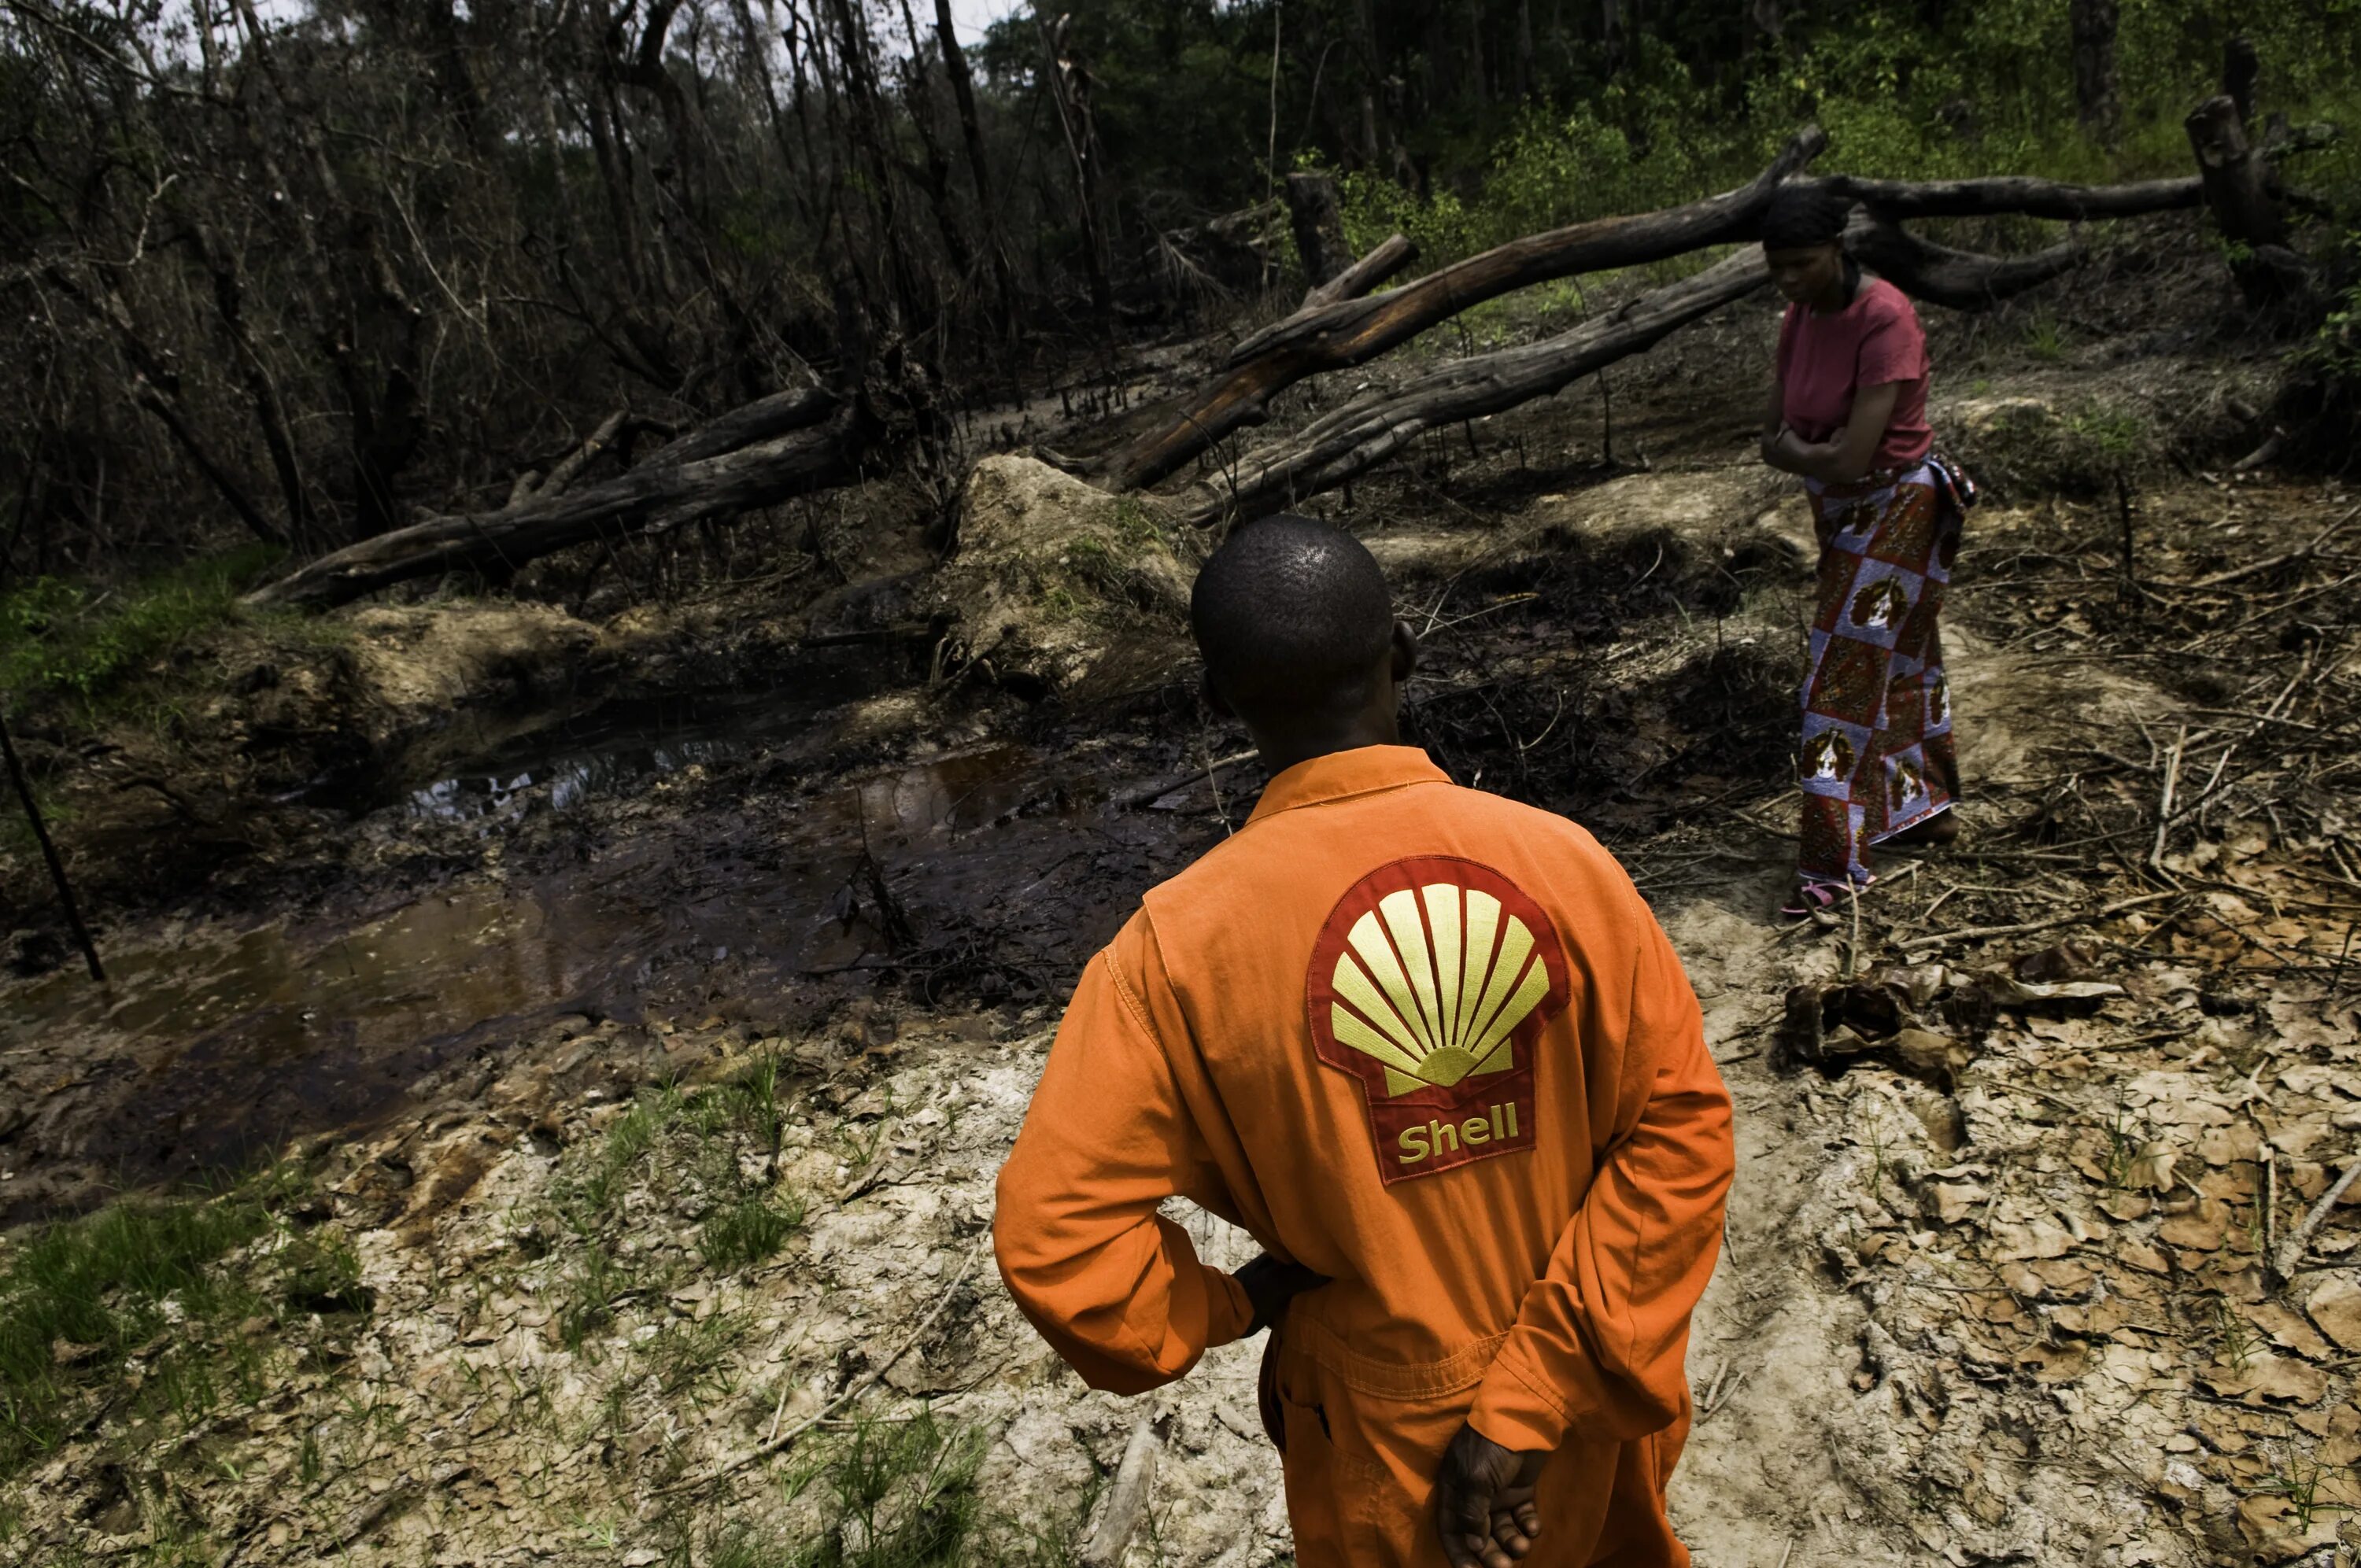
(1270, 156)
(49, 852)
(2164, 807)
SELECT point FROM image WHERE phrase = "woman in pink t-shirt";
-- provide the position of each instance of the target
(1848, 416)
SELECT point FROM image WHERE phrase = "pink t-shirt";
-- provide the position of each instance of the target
(1824, 360)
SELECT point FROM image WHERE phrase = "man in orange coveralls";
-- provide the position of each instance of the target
(1430, 1049)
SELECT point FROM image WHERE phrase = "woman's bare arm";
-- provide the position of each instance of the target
(1849, 455)
(1775, 422)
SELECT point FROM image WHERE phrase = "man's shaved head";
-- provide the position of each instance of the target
(1294, 618)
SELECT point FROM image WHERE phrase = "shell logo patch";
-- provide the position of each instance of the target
(1431, 983)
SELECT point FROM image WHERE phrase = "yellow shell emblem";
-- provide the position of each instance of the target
(1436, 981)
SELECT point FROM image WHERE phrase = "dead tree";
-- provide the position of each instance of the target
(778, 447)
(2024, 193)
(979, 170)
(1069, 91)
(2242, 194)
(1318, 221)
(1368, 430)
(1351, 331)
(1349, 440)
(1960, 278)
(2094, 23)
(1390, 257)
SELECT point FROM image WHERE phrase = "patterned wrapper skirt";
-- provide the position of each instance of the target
(1877, 756)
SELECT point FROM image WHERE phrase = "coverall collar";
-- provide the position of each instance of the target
(1363, 770)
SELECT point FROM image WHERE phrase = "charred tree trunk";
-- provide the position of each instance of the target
(1318, 220)
(979, 167)
(1366, 432)
(2094, 23)
(779, 447)
(2242, 68)
(1960, 280)
(1396, 253)
(156, 387)
(2239, 192)
(1352, 332)
(1069, 87)
(2016, 193)
(917, 104)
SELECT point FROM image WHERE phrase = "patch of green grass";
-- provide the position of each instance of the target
(2234, 1337)
(85, 644)
(586, 1197)
(2116, 436)
(746, 1232)
(2297, 1476)
(694, 1354)
(901, 1494)
(709, 1155)
(1133, 525)
(322, 1273)
(587, 1293)
(142, 1280)
(2044, 339)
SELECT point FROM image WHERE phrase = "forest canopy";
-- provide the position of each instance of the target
(297, 274)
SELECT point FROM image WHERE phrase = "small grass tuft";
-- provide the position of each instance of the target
(748, 1231)
(901, 1494)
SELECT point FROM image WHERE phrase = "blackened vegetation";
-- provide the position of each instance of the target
(1588, 735)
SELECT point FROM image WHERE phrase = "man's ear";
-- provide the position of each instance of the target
(1214, 699)
(1405, 652)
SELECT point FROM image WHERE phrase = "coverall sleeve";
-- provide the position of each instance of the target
(1601, 1340)
(1115, 1287)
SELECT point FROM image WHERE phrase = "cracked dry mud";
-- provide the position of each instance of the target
(2009, 1305)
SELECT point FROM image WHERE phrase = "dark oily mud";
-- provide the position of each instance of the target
(498, 766)
(215, 1043)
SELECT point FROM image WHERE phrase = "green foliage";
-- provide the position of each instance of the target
(748, 1230)
(144, 1279)
(685, 1150)
(1990, 90)
(901, 1494)
(2334, 351)
(2044, 339)
(69, 639)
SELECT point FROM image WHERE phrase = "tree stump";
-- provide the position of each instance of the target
(2238, 192)
(1318, 220)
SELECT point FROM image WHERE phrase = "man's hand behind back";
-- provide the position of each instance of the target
(1484, 1503)
(1270, 1285)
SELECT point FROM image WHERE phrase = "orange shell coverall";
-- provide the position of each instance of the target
(1432, 1044)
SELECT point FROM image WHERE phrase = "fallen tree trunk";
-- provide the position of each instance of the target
(824, 441)
(1962, 280)
(2016, 193)
(1366, 431)
(797, 409)
(1336, 336)
(1390, 257)
(1353, 330)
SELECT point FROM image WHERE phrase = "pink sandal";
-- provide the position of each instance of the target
(1814, 899)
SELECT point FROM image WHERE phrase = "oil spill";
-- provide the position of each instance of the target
(213, 1045)
(498, 768)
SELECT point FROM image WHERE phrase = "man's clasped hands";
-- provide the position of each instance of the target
(1483, 1506)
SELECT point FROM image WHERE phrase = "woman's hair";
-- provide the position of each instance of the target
(1804, 214)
